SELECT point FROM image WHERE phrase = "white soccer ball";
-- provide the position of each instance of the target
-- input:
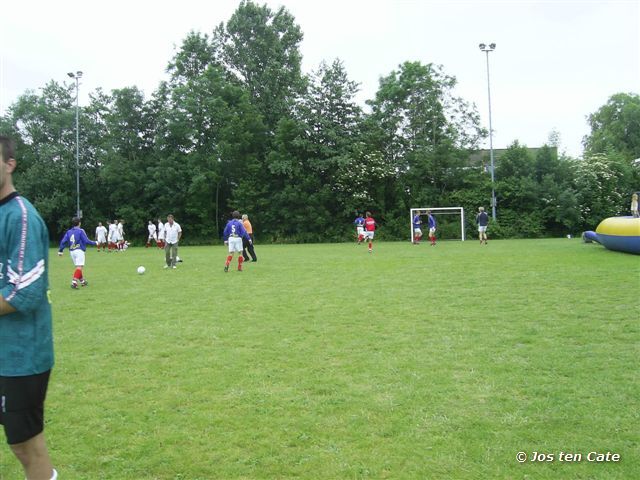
(141, 269)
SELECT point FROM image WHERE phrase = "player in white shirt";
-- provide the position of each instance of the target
(160, 234)
(152, 234)
(101, 236)
(172, 234)
(120, 230)
(112, 237)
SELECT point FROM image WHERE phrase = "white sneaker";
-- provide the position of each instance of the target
(166, 266)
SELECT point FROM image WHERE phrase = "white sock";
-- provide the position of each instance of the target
(55, 475)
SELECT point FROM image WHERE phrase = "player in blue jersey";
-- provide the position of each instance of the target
(77, 240)
(233, 234)
(359, 223)
(417, 228)
(482, 219)
(431, 223)
(26, 338)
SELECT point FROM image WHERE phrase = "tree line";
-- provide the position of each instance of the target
(238, 125)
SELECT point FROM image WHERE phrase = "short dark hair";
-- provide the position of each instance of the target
(75, 221)
(235, 214)
(7, 148)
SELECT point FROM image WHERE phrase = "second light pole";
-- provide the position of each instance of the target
(77, 76)
(490, 48)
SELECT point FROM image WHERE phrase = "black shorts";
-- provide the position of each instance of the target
(22, 406)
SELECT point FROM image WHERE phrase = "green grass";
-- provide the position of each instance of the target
(325, 362)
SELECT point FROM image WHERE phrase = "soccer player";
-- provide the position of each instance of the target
(431, 223)
(152, 234)
(233, 234)
(247, 246)
(112, 235)
(359, 223)
(26, 338)
(120, 235)
(77, 240)
(482, 219)
(417, 230)
(369, 229)
(172, 235)
(101, 236)
(160, 233)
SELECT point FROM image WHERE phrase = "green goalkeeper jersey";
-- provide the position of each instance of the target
(26, 338)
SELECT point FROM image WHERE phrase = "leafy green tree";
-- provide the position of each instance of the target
(603, 184)
(424, 132)
(616, 127)
(331, 119)
(45, 125)
(260, 48)
(123, 148)
(196, 54)
(207, 133)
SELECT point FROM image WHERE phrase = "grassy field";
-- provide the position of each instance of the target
(326, 362)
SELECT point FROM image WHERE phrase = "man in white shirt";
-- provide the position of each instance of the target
(120, 229)
(101, 236)
(113, 235)
(172, 235)
(160, 233)
(152, 234)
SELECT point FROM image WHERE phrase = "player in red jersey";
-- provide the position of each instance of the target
(369, 229)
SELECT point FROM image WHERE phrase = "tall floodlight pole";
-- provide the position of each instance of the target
(490, 48)
(77, 77)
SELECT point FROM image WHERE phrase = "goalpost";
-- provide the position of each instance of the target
(438, 211)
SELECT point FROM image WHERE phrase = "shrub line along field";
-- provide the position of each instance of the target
(323, 361)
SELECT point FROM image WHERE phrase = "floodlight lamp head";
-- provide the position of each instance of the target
(492, 46)
(71, 74)
(79, 73)
(482, 45)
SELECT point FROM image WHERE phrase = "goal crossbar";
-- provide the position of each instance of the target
(439, 211)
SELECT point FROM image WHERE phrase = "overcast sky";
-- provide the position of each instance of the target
(555, 61)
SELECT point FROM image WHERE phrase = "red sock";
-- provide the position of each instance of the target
(77, 274)
(240, 260)
(229, 258)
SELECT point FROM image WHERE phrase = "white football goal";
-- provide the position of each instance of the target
(436, 211)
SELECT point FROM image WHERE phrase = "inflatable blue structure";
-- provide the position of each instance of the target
(617, 233)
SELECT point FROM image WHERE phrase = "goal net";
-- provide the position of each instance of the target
(436, 212)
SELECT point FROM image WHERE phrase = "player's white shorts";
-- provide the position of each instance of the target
(432, 231)
(369, 234)
(482, 229)
(153, 236)
(101, 239)
(235, 244)
(77, 256)
(360, 230)
(417, 231)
